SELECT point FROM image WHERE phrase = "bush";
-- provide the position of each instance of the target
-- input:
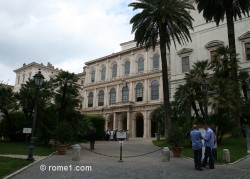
(98, 123)
(13, 129)
(175, 136)
(64, 132)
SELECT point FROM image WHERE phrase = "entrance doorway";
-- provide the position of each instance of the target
(139, 126)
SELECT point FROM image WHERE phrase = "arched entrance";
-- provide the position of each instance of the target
(139, 126)
(153, 128)
(124, 121)
(153, 125)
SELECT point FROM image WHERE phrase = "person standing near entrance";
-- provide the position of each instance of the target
(209, 145)
(92, 139)
(196, 146)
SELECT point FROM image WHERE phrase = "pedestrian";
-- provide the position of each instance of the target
(115, 134)
(107, 135)
(196, 146)
(111, 135)
(209, 145)
(92, 139)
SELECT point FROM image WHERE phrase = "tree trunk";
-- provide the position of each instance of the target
(195, 108)
(231, 41)
(230, 33)
(167, 107)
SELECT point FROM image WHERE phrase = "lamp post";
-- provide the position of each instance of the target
(38, 79)
(204, 89)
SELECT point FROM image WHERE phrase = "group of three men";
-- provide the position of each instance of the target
(209, 141)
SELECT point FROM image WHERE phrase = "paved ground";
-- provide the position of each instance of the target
(106, 164)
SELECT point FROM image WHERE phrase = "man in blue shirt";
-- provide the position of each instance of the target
(209, 145)
(196, 146)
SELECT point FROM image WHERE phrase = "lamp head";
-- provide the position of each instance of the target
(39, 78)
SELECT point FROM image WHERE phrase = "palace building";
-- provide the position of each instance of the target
(125, 87)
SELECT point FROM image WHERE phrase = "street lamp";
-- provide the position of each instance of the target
(204, 89)
(38, 78)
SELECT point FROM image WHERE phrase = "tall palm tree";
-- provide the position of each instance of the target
(66, 87)
(217, 9)
(168, 20)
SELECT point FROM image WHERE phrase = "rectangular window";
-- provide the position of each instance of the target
(139, 95)
(185, 64)
(101, 100)
(247, 49)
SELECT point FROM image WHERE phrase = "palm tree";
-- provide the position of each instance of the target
(225, 62)
(168, 20)
(189, 93)
(224, 66)
(66, 95)
(217, 9)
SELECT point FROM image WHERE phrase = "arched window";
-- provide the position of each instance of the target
(140, 64)
(90, 99)
(92, 76)
(101, 98)
(125, 94)
(127, 68)
(103, 73)
(156, 61)
(114, 71)
(154, 90)
(112, 96)
(139, 92)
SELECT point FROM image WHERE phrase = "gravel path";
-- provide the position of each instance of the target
(104, 163)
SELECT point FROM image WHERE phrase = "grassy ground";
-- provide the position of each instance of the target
(10, 165)
(236, 146)
(21, 148)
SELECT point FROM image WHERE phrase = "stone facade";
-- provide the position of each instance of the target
(125, 87)
(26, 72)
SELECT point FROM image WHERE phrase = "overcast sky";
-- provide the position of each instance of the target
(66, 33)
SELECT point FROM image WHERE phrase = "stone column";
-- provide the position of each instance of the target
(133, 127)
(118, 93)
(106, 96)
(114, 121)
(128, 120)
(85, 102)
(131, 91)
(145, 119)
(106, 122)
(94, 99)
(145, 89)
(149, 124)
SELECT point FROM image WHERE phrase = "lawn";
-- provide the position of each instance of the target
(10, 165)
(236, 146)
(21, 148)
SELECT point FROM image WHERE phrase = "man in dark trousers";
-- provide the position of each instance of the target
(209, 145)
(92, 139)
(196, 146)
